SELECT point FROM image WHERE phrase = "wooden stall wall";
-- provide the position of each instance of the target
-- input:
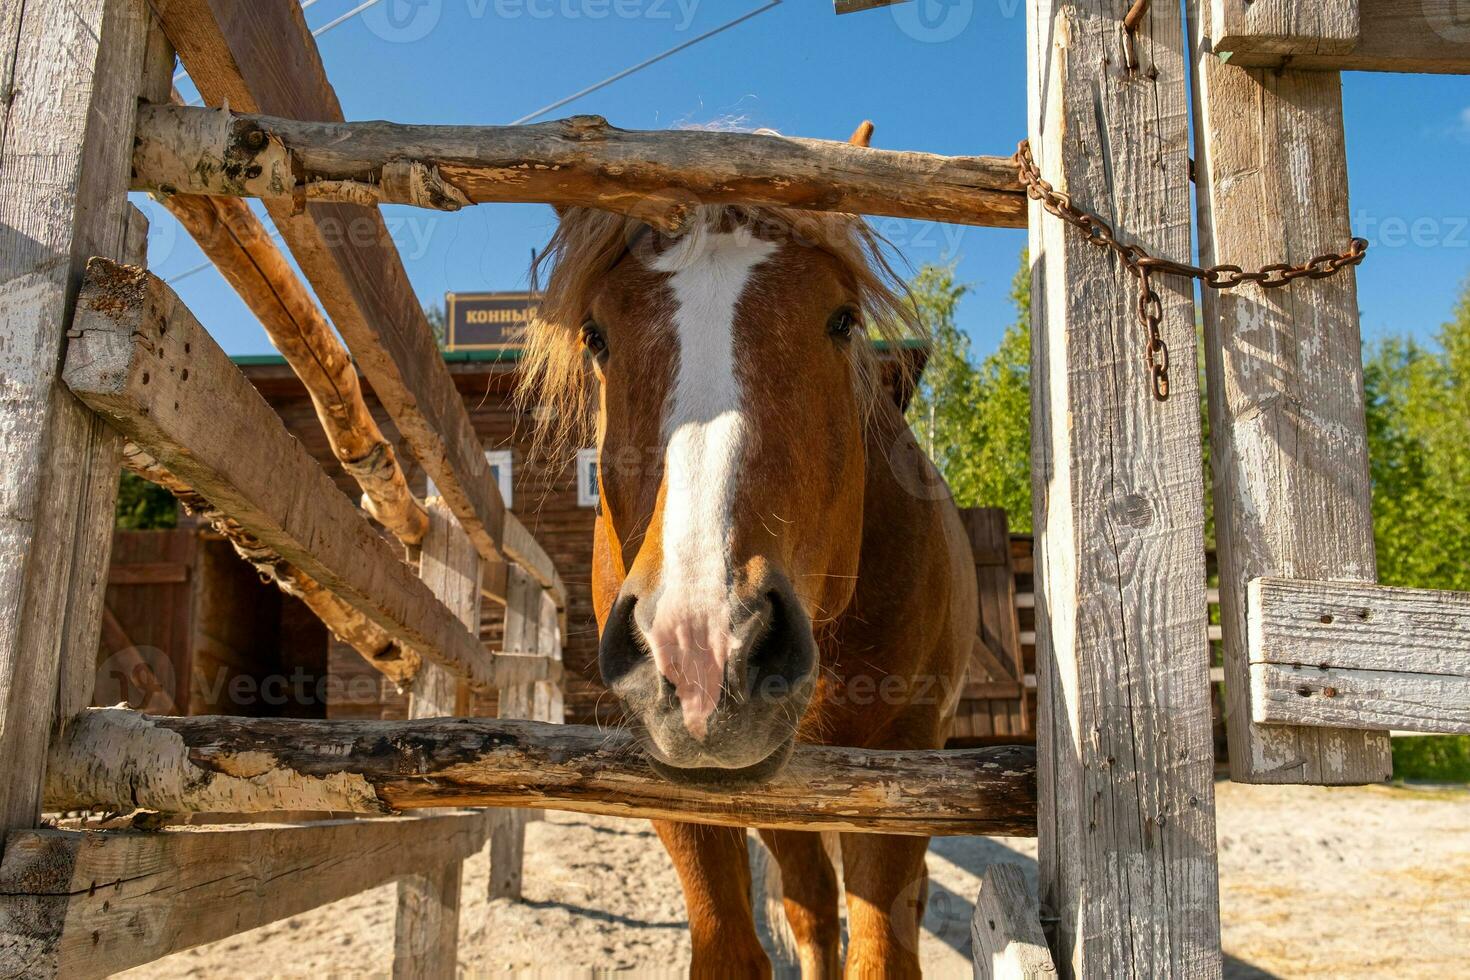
(144, 657)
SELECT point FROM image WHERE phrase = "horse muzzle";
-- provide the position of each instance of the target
(717, 689)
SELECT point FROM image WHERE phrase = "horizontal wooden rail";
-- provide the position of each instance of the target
(1350, 655)
(140, 359)
(1394, 35)
(82, 904)
(117, 758)
(578, 161)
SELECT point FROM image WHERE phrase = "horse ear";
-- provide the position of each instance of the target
(863, 135)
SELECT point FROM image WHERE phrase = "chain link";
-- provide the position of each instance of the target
(1143, 266)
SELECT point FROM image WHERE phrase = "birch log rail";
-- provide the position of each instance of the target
(115, 757)
(577, 161)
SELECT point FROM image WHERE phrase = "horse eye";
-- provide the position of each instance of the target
(842, 322)
(593, 339)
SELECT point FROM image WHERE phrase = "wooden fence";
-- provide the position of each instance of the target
(98, 351)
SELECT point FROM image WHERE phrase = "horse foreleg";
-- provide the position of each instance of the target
(887, 887)
(714, 869)
(809, 896)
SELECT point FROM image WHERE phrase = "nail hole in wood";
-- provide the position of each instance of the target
(1326, 617)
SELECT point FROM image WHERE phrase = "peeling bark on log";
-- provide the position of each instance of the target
(398, 663)
(114, 757)
(657, 176)
(237, 243)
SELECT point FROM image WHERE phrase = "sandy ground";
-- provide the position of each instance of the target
(1341, 883)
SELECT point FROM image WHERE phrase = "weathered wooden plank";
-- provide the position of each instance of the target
(1285, 26)
(518, 541)
(142, 360)
(1285, 383)
(1006, 929)
(81, 904)
(261, 57)
(1397, 35)
(66, 130)
(450, 567)
(426, 929)
(86, 603)
(116, 757)
(1127, 831)
(581, 161)
(1349, 655)
(520, 634)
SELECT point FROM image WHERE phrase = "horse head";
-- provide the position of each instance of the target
(733, 374)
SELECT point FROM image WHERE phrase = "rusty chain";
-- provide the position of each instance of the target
(1143, 265)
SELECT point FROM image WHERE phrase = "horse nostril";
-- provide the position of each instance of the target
(619, 651)
(784, 653)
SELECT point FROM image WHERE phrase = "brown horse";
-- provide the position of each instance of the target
(775, 560)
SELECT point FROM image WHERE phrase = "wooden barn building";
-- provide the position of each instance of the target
(191, 630)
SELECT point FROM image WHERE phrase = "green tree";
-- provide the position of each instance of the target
(975, 420)
(143, 506)
(438, 323)
(1418, 403)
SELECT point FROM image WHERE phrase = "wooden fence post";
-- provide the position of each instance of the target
(426, 939)
(1285, 380)
(1005, 931)
(72, 75)
(1126, 793)
(522, 635)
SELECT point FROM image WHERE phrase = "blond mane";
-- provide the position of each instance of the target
(556, 384)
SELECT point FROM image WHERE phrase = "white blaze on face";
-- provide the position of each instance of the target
(690, 633)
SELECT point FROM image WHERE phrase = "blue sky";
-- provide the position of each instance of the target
(953, 83)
